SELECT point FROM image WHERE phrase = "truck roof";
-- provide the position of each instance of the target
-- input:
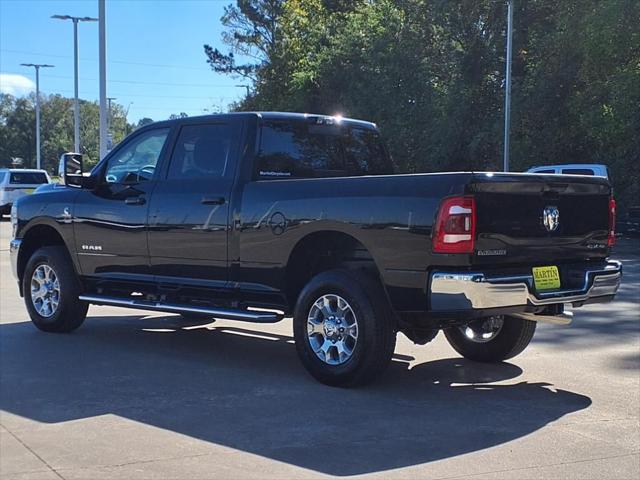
(28, 170)
(270, 116)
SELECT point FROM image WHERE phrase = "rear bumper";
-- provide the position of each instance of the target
(459, 291)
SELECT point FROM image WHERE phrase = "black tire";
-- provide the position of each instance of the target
(376, 328)
(70, 312)
(511, 340)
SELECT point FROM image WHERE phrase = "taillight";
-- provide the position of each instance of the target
(612, 222)
(455, 228)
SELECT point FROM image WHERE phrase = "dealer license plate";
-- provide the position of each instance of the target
(546, 278)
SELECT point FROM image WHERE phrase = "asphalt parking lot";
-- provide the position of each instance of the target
(132, 395)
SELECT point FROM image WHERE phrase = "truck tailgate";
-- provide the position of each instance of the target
(526, 218)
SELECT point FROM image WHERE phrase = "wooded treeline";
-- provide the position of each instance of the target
(430, 73)
(18, 129)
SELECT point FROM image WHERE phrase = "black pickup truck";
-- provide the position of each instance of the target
(262, 216)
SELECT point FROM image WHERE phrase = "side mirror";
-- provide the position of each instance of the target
(70, 169)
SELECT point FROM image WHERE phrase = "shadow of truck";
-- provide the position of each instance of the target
(246, 390)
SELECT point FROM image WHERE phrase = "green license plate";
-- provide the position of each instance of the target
(546, 278)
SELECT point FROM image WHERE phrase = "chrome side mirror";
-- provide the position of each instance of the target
(70, 169)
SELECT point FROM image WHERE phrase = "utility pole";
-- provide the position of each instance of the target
(507, 94)
(37, 66)
(76, 103)
(104, 115)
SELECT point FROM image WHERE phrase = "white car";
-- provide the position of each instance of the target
(17, 182)
(573, 169)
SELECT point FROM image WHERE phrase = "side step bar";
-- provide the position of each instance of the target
(226, 313)
(564, 318)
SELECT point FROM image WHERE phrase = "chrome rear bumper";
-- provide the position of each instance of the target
(467, 290)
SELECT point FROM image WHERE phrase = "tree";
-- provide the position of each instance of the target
(252, 32)
(17, 129)
(144, 121)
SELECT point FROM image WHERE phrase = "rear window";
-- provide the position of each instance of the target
(301, 149)
(28, 178)
(577, 171)
(544, 171)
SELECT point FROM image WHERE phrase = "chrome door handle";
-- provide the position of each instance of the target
(134, 201)
(212, 200)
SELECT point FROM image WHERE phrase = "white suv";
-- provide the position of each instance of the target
(14, 183)
(573, 169)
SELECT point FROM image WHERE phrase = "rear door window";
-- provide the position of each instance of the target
(202, 151)
(28, 178)
(301, 149)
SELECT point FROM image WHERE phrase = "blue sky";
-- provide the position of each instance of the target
(155, 59)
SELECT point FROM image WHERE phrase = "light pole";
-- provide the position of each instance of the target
(76, 104)
(37, 66)
(102, 53)
(507, 94)
(244, 86)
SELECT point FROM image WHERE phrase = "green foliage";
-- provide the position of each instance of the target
(430, 73)
(18, 130)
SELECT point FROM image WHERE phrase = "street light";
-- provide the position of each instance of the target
(37, 66)
(245, 86)
(76, 104)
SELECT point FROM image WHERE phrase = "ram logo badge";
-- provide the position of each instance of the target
(551, 218)
(92, 248)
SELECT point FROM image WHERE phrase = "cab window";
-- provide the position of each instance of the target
(299, 149)
(136, 161)
(202, 151)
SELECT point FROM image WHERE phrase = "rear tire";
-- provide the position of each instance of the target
(352, 357)
(512, 338)
(51, 289)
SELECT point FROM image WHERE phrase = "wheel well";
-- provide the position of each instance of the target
(323, 251)
(37, 237)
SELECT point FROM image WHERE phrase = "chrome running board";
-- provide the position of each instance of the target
(217, 312)
(564, 318)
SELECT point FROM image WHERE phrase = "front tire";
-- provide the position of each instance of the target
(343, 328)
(51, 289)
(492, 339)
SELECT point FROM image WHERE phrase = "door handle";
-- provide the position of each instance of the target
(134, 201)
(212, 200)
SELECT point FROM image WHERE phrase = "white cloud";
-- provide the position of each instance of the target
(16, 85)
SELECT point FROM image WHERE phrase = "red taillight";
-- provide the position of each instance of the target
(455, 228)
(612, 222)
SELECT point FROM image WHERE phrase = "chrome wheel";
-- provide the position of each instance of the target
(332, 329)
(483, 330)
(45, 290)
